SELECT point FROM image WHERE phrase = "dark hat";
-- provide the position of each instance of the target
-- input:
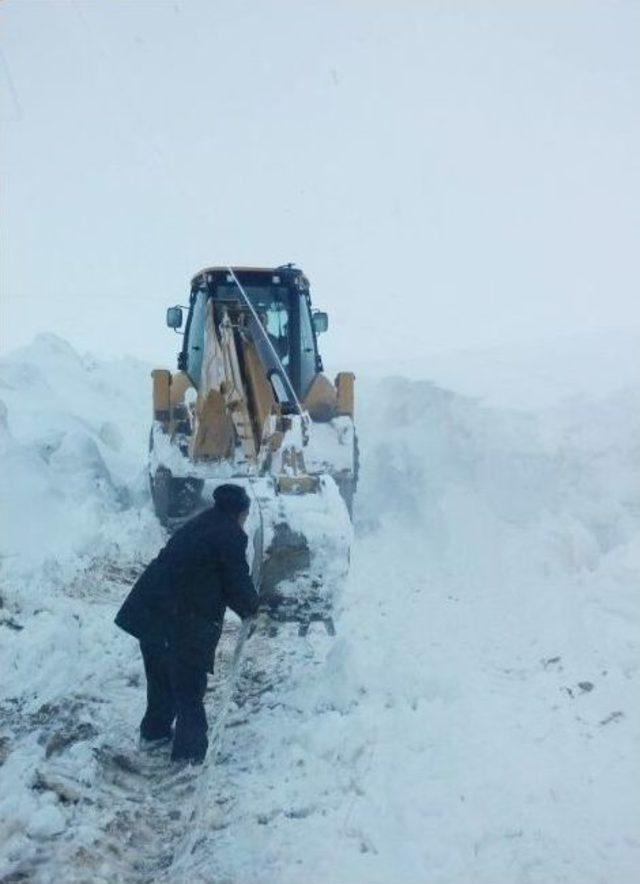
(231, 499)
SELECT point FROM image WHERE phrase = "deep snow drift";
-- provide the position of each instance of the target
(475, 719)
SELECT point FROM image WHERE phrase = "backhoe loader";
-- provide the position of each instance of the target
(250, 404)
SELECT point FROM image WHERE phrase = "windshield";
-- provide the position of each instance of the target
(271, 303)
(284, 314)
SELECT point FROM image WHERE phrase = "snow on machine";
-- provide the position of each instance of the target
(250, 404)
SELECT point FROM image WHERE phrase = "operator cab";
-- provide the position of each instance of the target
(281, 299)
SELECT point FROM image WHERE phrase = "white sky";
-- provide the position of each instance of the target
(448, 174)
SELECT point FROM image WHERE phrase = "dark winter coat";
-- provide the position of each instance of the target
(182, 595)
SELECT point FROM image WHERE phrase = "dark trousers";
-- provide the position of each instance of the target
(175, 690)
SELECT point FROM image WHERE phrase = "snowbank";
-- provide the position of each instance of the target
(73, 433)
(477, 717)
(75, 525)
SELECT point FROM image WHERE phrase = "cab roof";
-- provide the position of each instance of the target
(267, 271)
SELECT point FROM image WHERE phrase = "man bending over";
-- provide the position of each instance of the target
(176, 608)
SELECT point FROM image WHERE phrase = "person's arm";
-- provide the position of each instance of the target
(237, 585)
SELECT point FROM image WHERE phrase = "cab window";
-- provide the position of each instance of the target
(308, 361)
(271, 303)
(195, 337)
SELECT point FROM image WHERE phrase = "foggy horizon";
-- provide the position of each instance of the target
(448, 176)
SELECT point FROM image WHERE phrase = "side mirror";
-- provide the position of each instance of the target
(174, 318)
(320, 322)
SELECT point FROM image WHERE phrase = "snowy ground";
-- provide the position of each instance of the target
(476, 717)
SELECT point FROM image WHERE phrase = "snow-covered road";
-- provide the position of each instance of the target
(475, 719)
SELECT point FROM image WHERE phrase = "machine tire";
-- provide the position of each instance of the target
(347, 486)
(161, 494)
(174, 499)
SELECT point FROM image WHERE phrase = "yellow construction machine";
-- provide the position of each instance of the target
(250, 404)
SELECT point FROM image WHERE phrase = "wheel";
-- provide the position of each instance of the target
(174, 499)
(160, 484)
(347, 485)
